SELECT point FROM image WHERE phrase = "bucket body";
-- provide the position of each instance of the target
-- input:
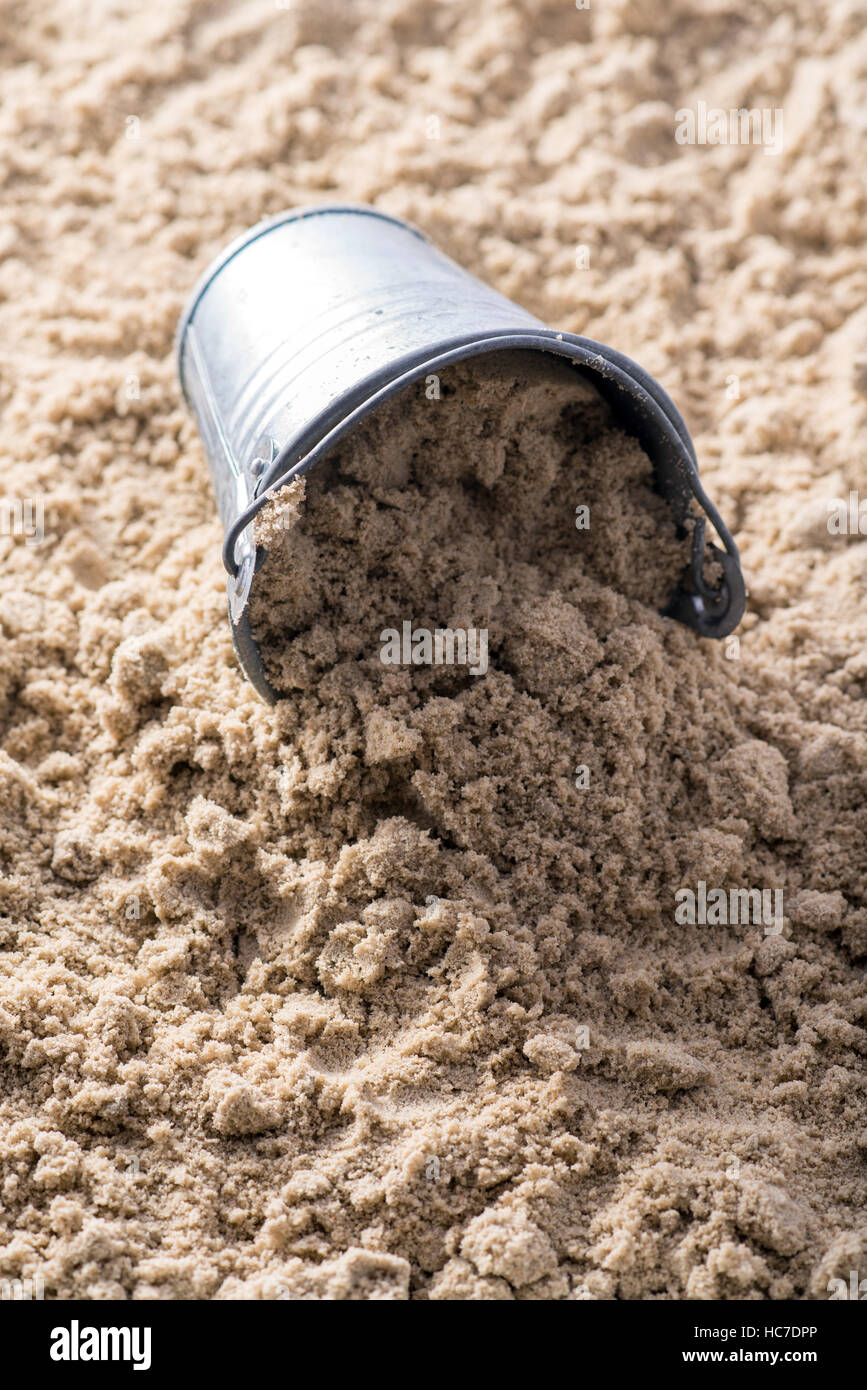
(312, 318)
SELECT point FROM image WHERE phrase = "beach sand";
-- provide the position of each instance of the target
(362, 996)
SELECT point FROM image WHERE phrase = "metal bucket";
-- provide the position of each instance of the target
(313, 318)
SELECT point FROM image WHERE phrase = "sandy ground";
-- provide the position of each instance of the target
(204, 1094)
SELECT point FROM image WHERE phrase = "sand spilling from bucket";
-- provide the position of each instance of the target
(262, 1027)
(498, 499)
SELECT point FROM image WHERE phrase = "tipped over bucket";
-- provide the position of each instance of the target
(312, 319)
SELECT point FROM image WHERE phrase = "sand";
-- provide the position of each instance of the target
(285, 1012)
(497, 498)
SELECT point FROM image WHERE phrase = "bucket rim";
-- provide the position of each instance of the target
(377, 388)
(666, 425)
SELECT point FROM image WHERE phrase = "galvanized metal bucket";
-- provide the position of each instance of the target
(313, 318)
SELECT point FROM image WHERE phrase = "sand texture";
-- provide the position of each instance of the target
(362, 996)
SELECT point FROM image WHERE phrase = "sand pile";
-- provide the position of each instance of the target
(465, 503)
(360, 996)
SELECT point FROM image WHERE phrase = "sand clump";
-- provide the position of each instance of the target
(357, 997)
